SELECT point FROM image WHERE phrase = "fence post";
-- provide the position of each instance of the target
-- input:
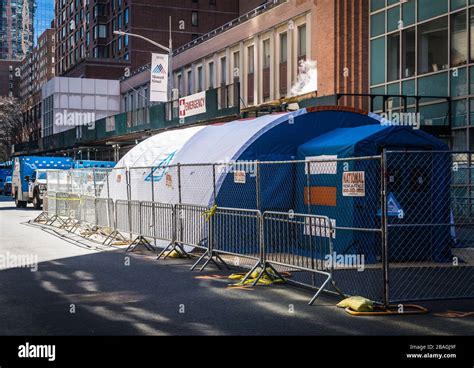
(308, 185)
(214, 183)
(96, 215)
(95, 182)
(178, 213)
(107, 183)
(153, 215)
(309, 199)
(261, 240)
(257, 183)
(129, 195)
(384, 225)
(179, 183)
(469, 184)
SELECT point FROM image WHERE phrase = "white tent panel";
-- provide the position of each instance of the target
(204, 145)
(155, 151)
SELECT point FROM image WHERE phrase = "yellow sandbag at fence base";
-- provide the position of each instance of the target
(357, 303)
(267, 278)
(173, 254)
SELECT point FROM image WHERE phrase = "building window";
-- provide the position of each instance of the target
(471, 26)
(102, 31)
(190, 82)
(377, 24)
(180, 85)
(428, 8)
(266, 54)
(433, 46)
(125, 16)
(409, 52)
(194, 19)
(251, 60)
(393, 57)
(458, 39)
(100, 10)
(236, 66)
(301, 41)
(223, 71)
(283, 48)
(212, 75)
(377, 61)
(199, 79)
(409, 13)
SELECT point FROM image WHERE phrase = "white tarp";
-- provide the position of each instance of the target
(220, 143)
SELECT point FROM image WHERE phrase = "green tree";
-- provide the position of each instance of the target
(10, 125)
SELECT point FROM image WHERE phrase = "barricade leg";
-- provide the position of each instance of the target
(42, 217)
(264, 266)
(211, 257)
(313, 299)
(140, 240)
(173, 247)
(115, 235)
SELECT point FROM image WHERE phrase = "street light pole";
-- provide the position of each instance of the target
(169, 50)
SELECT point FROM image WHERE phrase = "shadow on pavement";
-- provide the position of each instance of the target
(149, 297)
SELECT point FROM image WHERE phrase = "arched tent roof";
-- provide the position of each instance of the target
(369, 140)
(266, 138)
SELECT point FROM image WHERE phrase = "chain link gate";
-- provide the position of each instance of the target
(430, 225)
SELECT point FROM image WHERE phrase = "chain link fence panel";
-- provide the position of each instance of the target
(430, 228)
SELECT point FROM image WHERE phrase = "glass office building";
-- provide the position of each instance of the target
(44, 14)
(21, 23)
(16, 28)
(426, 48)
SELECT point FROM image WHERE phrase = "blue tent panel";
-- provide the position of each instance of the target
(364, 212)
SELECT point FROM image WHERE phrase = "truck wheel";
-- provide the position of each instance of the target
(20, 204)
(36, 201)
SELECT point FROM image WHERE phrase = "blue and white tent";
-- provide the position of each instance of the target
(266, 138)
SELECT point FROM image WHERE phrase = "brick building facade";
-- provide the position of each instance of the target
(37, 68)
(9, 81)
(87, 46)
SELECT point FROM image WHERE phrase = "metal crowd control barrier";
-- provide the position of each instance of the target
(67, 207)
(157, 221)
(298, 242)
(190, 229)
(128, 220)
(232, 232)
(49, 208)
(105, 212)
(88, 213)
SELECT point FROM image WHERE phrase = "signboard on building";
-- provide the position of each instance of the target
(159, 78)
(353, 184)
(192, 105)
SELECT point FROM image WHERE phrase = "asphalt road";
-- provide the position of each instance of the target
(82, 289)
